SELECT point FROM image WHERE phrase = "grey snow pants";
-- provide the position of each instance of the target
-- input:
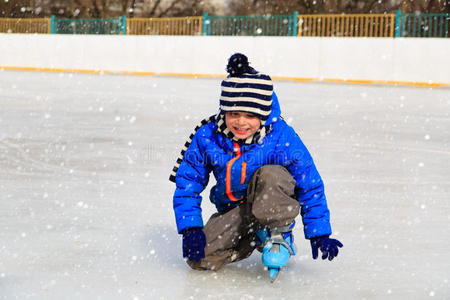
(270, 203)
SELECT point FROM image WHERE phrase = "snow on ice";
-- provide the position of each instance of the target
(86, 205)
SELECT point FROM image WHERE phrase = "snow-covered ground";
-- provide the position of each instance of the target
(86, 205)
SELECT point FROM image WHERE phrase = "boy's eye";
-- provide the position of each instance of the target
(237, 114)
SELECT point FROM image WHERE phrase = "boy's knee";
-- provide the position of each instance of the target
(205, 265)
(196, 265)
(275, 174)
(272, 196)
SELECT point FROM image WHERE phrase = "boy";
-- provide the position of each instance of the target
(264, 174)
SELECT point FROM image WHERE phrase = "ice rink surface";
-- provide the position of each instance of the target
(86, 205)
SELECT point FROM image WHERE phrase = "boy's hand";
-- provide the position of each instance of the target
(329, 247)
(194, 242)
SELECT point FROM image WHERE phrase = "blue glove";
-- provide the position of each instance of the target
(329, 247)
(194, 242)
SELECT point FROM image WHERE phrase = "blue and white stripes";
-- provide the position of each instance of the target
(249, 93)
(187, 144)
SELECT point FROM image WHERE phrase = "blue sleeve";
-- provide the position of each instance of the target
(309, 187)
(191, 179)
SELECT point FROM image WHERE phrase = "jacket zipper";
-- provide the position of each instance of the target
(237, 149)
(243, 171)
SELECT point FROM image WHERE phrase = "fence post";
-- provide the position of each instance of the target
(204, 25)
(295, 24)
(398, 22)
(123, 25)
(52, 24)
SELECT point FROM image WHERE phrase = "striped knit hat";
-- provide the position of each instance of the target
(245, 89)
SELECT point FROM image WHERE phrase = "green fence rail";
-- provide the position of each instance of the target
(342, 25)
(89, 26)
(282, 25)
(422, 25)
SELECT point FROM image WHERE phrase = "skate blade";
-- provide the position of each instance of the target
(274, 273)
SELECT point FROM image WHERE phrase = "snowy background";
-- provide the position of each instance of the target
(86, 205)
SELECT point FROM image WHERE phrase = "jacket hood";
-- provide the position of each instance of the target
(276, 110)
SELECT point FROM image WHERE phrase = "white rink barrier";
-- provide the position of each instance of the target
(415, 61)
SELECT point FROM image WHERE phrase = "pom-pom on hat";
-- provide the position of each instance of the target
(245, 89)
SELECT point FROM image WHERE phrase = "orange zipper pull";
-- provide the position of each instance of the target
(237, 149)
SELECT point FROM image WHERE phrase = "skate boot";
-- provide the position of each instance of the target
(278, 248)
(262, 235)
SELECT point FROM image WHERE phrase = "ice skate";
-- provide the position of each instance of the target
(278, 248)
(261, 237)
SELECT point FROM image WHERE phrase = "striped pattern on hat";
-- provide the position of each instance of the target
(250, 93)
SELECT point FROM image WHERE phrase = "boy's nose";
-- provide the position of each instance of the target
(241, 120)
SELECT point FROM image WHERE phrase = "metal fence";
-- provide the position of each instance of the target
(15, 25)
(165, 26)
(88, 26)
(423, 25)
(283, 25)
(354, 25)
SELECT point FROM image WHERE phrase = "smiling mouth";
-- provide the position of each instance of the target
(240, 130)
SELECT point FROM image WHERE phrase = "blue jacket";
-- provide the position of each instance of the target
(212, 151)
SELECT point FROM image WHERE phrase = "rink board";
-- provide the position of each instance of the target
(413, 61)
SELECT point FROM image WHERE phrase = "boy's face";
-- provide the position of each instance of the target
(242, 124)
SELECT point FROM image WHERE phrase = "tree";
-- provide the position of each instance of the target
(277, 7)
(425, 6)
(103, 8)
(175, 8)
(16, 9)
